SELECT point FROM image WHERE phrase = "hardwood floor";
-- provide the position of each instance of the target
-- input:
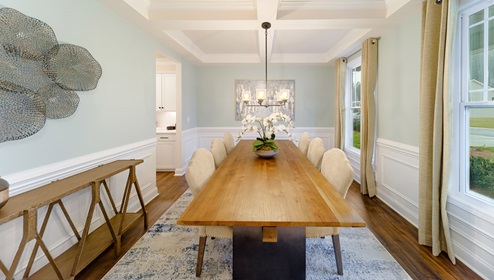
(395, 233)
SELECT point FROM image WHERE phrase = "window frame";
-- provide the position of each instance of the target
(461, 118)
(352, 63)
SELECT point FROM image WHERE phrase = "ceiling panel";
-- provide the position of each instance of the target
(229, 31)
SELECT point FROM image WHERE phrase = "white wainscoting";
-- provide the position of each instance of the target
(397, 173)
(201, 137)
(207, 134)
(58, 236)
(472, 231)
(190, 142)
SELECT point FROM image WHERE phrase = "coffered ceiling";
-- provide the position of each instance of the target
(229, 31)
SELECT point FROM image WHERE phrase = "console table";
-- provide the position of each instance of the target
(89, 245)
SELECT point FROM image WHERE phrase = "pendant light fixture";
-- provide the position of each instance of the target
(261, 98)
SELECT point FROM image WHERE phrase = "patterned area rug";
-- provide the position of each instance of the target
(169, 251)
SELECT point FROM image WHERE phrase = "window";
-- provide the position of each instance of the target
(477, 101)
(352, 104)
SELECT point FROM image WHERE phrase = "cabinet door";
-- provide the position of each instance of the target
(170, 92)
(159, 93)
(165, 153)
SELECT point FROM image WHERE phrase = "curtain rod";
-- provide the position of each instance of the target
(376, 38)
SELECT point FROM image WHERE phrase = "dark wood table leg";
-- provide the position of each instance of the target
(255, 259)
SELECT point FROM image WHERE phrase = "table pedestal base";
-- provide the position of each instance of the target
(255, 259)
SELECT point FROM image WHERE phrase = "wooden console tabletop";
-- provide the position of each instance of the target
(67, 265)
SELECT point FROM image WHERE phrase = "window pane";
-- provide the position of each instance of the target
(476, 57)
(491, 11)
(481, 138)
(356, 128)
(356, 84)
(490, 64)
(477, 17)
(490, 95)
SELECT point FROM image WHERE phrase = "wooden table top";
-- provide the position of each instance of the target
(286, 190)
(55, 190)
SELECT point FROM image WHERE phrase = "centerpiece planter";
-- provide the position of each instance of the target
(268, 153)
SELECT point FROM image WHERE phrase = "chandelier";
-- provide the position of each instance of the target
(278, 98)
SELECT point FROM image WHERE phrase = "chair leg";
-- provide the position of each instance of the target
(200, 254)
(337, 253)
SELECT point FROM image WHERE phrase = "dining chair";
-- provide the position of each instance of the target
(315, 152)
(200, 168)
(303, 143)
(336, 168)
(219, 151)
(229, 143)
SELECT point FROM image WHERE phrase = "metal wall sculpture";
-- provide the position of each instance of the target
(273, 88)
(38, 76)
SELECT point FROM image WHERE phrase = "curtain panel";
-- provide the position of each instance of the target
(438, 24)
(339, 103)
(368, 117)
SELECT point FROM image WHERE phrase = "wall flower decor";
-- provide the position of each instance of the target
(38, 76)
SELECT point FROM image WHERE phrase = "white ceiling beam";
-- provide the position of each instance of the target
(186, 43)
(267, 10)
(256, 25)
(350, 43)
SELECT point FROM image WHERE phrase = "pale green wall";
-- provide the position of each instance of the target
(314, 91)
(120, 111)
(189, 96)
(398, 85)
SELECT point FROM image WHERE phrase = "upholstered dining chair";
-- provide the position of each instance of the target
(219, 151)
(201, 167)
(336, 168)
(303, 143)
(229, 143)
(315, 152)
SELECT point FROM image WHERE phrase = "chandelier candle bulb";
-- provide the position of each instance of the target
(260, 94)
(283, 96)
(246, 96)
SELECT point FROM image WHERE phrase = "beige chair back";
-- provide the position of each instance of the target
(219, 151)
(315, 152)
(337, 170)
(200, 169)
(303, 143)
(229, 143)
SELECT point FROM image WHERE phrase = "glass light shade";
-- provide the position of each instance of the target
(246, 95)
(283, 95)
(260, 94)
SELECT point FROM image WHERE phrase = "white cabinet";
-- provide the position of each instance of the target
(166, 92)
(165, 152)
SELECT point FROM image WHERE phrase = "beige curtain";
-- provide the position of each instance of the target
(368, 117)
(438, 23)
(339, 103)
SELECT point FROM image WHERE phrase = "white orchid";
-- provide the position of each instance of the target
(269, 126)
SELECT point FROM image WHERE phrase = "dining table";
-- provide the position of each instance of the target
(269, 202)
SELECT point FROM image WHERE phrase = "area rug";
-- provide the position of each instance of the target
(169, 251)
